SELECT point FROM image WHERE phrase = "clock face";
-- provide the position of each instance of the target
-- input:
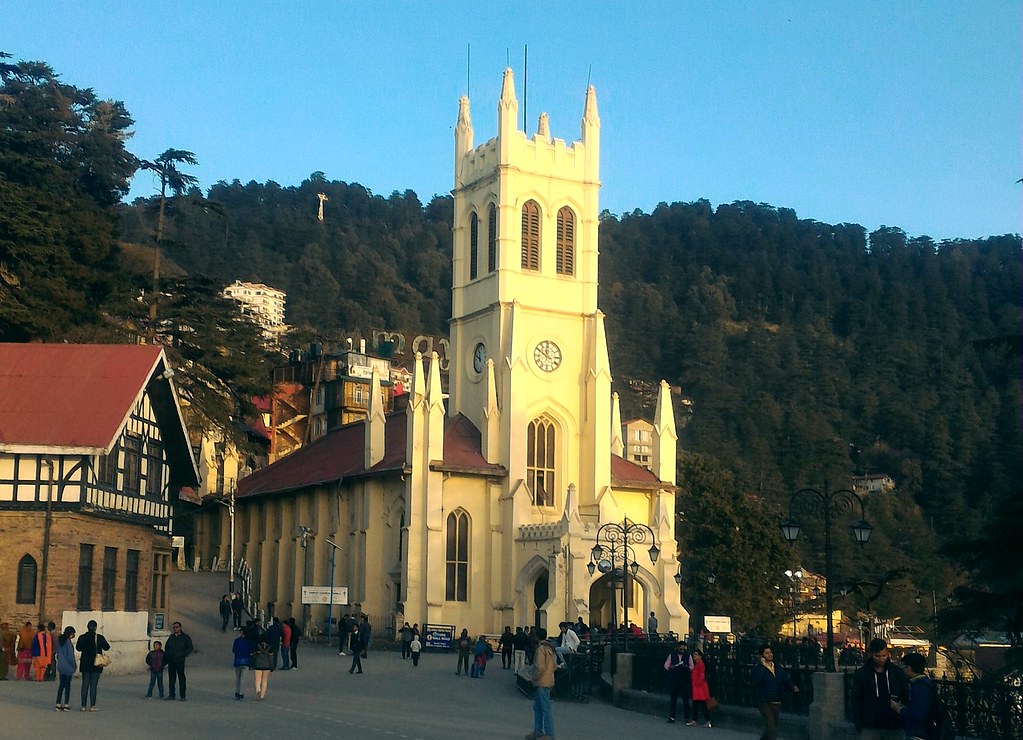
(547, 356)
(479, 358)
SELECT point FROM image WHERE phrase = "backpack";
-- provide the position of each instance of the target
(938, 723)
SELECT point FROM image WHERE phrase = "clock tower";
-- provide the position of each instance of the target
(525, 328)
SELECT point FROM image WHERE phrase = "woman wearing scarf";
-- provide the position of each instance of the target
(25, 638)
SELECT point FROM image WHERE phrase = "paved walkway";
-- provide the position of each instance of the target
(319, 700)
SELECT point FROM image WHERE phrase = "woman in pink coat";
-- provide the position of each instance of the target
(701, 689)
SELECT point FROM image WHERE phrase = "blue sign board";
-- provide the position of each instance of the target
(438, 636)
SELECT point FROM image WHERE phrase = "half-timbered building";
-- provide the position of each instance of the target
(93, 455)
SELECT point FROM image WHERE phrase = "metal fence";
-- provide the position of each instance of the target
(980, 709)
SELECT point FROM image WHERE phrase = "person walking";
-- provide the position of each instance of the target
(260, 663)
(179, 647)
(42, 651)
(481, 653)
(274, 634)
(296, 635)
(770, 683)
(66, 667)
(507, 643)
(242, 649)
(356, 645)
(464, 647)
(90, 645)
(156, 659)
(415, 648)
(544, 665)
(700, 678)
(874, 686)
(237, 607)
(225, 612)
(679, 664)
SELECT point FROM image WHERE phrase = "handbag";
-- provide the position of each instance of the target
(712, 704)
(102, 660)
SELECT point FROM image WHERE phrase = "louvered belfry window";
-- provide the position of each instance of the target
(531, 235)
(474, 246)
(566, 242)
(492, 238)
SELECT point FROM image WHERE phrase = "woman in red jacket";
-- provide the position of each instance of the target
(701, 689)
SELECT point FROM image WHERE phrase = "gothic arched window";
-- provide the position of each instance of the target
(566, 242)
(474, 246)
(27, 580)
(540, 470)
(457, 557)
(492, 238)
(531, 235)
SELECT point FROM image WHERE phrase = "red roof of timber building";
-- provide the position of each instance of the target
(340, 454)
(76, 398)
(70, 395)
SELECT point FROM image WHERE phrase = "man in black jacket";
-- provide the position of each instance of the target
(178, 647)
(874, 687)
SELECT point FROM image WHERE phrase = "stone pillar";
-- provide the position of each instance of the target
(622, 678)
(828, 706)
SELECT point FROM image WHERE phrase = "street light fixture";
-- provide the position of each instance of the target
(828, 504)
(617, 545)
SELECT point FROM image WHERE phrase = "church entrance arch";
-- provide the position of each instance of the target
(606, 600)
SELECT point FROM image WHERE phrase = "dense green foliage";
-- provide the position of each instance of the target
(63, 166)
(64, 277)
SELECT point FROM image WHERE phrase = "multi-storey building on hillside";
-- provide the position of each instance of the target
(261, 304)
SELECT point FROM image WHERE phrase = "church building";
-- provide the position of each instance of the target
(506, 500)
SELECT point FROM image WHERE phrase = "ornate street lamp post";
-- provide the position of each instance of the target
(827, 505)
(613, 545)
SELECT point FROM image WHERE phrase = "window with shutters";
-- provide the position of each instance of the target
(566, 242)
(531, 235)
(474, 246)
(131, 581)
(457, 557)
(109, 579)
(492, 238)
(540, 455)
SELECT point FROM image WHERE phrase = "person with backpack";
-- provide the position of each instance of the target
(922, 721)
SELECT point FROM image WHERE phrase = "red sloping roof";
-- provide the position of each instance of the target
(628, 474)
(70, 396)
(340, 454)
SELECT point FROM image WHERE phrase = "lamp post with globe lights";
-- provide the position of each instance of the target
(613, 545)
(828, 504)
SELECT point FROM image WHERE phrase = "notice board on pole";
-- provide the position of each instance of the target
(718, 624)
(321, 595)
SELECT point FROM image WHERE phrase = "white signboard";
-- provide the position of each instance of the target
(178, 541)
(718, 624)
(321, 595)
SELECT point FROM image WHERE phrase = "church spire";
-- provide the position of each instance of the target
(374, 442)
(507, 112)
(463, 131)
(617, 445)
(543, 128)
(491, 432)
(665, 436)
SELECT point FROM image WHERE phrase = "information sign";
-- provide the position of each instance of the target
(321, 595)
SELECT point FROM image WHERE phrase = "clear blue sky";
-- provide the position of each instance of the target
(900, 112)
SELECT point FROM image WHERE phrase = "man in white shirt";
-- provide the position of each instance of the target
(569, 640)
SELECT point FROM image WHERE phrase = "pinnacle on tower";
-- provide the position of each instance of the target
(507, 106)
(543, 128)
